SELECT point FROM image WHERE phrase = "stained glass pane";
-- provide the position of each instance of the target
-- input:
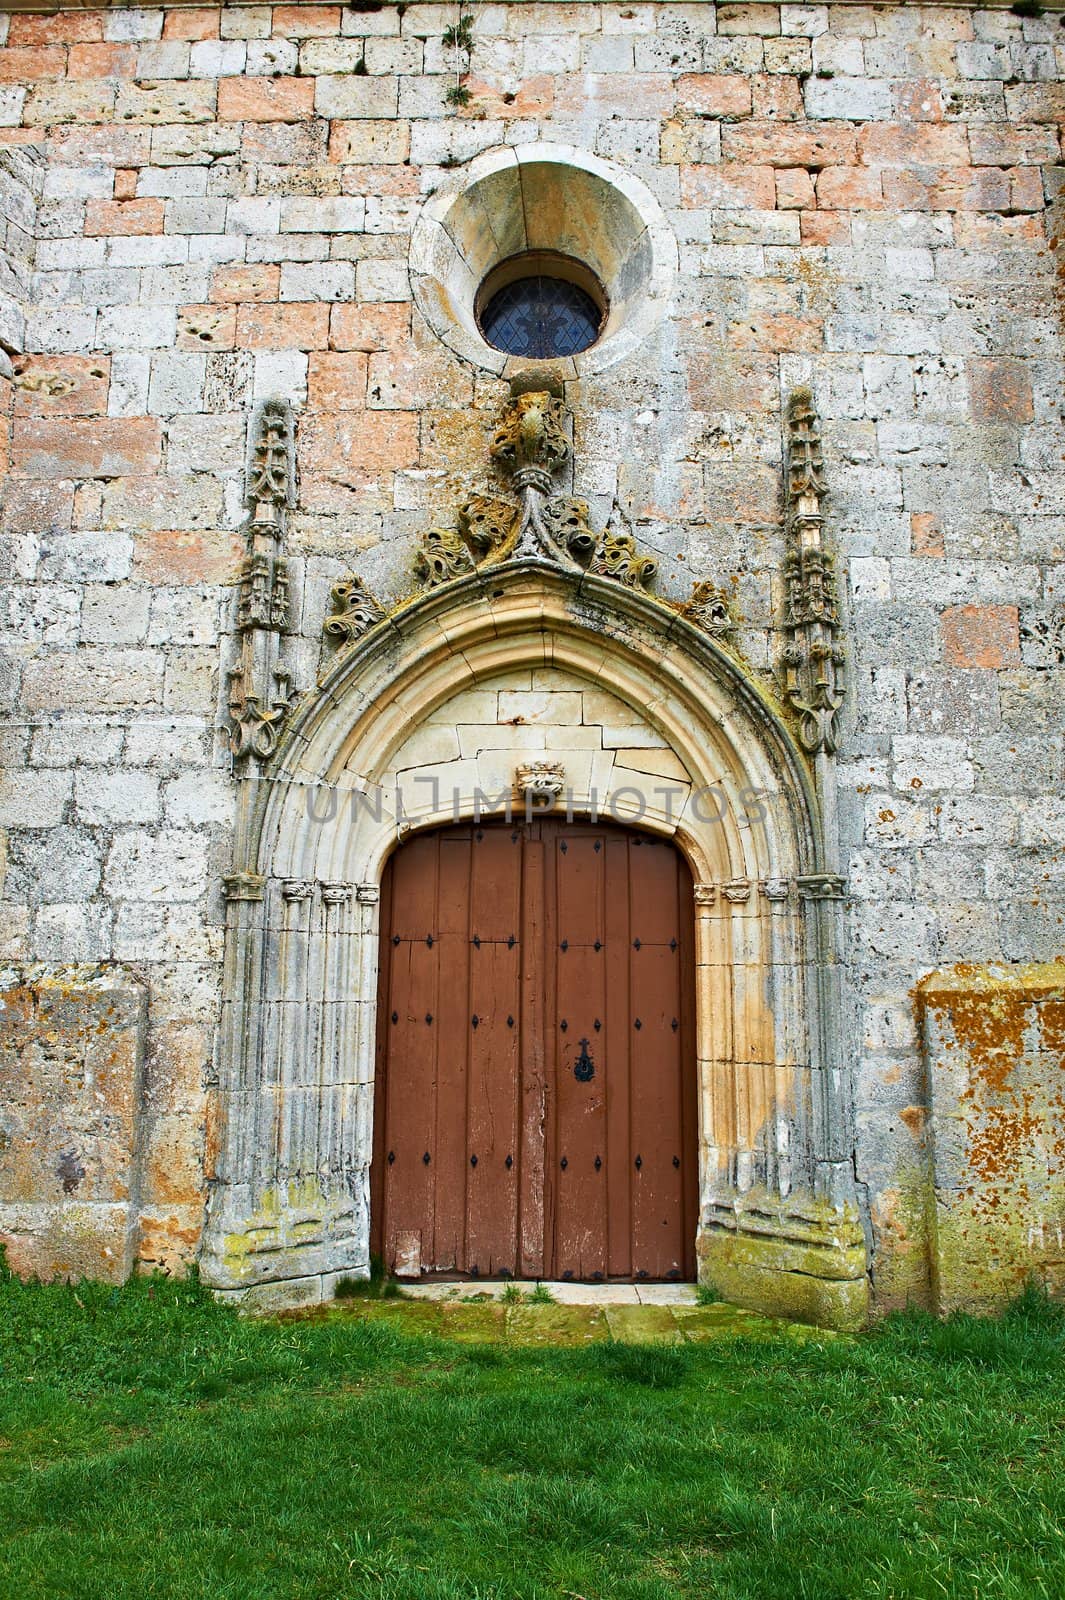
(541, 317)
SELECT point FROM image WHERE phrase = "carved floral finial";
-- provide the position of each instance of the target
(530, 442)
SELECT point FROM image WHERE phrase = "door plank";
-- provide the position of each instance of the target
(452, 1060)
(535, 1140)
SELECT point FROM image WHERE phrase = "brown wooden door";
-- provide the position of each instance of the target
(535, 1098)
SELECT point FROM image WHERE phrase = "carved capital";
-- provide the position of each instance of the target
(243, 886)
(737, 891)
(705, 894)
(367, 894)
(822, 886)
(296, 889)
(776, 890)
(336, 894)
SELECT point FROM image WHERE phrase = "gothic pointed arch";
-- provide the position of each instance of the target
(418, 720)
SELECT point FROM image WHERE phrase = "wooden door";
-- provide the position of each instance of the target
(535, 1108)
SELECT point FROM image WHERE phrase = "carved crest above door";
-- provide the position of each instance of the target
(531, 521)
(530, 447)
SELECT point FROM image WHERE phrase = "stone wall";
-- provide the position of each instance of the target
(863, 199)
(71, 1114)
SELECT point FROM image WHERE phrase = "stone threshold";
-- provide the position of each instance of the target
(563, 1294)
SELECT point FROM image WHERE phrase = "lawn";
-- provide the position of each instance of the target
(152, 1443)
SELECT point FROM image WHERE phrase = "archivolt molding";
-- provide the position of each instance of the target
(718, 719)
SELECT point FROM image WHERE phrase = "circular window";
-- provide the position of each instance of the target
(577, 226)
(540, 305)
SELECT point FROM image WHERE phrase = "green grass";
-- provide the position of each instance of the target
(154, 1444)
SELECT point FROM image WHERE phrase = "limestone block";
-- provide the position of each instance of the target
(73, 932)
(994, 1046)
(34, 799)
(164, 865)
(122, 796)
(71, 1070)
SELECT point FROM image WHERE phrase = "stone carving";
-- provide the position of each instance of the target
(567, 523)
(530, 443)
(271, 472)
(709, 608)
(259, 687)
(540, 782)
(529, 447)
(296, 889)
(487, 523)
(243, 886)
(336, 894)
(443, 556)
(705, 894)
(775, 889)
(354, 611)
(618, 557)
(821, 886)
(813, 658)
(737, 891)
(256, 725)
(262, 601)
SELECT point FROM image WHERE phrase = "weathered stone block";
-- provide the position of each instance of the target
(994, 1043)
(72, 1045)
(981, 636)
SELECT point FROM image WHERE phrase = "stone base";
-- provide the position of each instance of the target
(290, 1250)
(797, 1258)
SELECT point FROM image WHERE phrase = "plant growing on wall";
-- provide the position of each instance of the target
(459, 38)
